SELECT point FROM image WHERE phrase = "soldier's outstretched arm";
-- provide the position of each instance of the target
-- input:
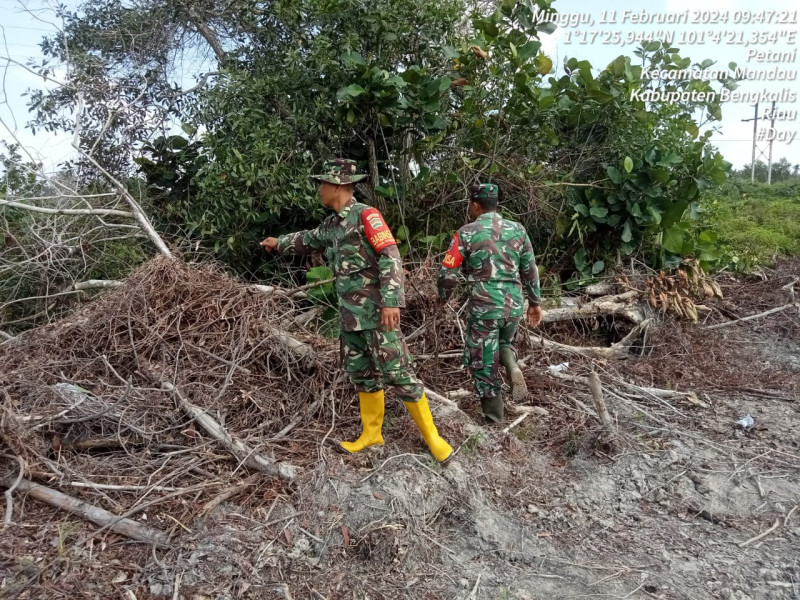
(450, 271)
(301, 243)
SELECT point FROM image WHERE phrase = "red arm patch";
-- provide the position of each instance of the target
(453, 257)
(378, 233)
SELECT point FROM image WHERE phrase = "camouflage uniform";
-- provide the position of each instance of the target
(495, 257)
(360, 247)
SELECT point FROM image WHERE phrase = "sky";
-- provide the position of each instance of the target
(21, 30)
(24, 22)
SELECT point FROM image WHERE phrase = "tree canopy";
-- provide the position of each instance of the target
(429, 97)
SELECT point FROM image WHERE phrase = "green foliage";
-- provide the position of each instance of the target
(338, 80)
(324, 295)
(17, 177)
(755, 223)
(428, 106)
(118, 79)
(115, 259)
(658, 163)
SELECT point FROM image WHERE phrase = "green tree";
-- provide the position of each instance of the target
(782, 170)
(429, 103)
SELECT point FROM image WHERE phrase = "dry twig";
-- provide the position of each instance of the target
(761, 535)
(12, 488)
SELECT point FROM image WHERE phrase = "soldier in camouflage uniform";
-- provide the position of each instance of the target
(360, 247)
(495, 257)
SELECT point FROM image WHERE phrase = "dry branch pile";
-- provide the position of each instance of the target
(168, 389)
(164, 393)
(105, 404)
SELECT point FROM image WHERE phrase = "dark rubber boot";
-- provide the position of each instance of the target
(493, 408)
(519, 389)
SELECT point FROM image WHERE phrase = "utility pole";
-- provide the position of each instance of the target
(771, 141)
(755, 133)
(753, 160)
(760, 152)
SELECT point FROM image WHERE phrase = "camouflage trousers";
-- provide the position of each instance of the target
(484, 339)
(373, 358)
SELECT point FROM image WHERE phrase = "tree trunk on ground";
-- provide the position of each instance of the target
(99, 516)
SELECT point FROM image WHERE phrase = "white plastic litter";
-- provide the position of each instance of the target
(72, 392)
(560, 368)
(746, 423)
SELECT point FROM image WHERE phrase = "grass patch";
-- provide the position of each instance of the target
(756, 223)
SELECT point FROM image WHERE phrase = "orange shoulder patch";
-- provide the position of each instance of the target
(453, 257)
(377, 231)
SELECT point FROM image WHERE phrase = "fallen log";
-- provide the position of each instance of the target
(305, 318)
(441, 399)
(524, 409)
(599, 289)
(99, 516)
(620, 350)
(246, 455)
(622, 305)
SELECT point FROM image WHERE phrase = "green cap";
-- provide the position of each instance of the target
(485, 191)
(339, 171)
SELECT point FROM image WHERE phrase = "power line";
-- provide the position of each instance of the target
(28, 28)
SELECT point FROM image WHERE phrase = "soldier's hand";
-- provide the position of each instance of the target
(269, 244)
(534, 315)
(390, 318)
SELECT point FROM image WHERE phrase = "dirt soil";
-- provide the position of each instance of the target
(664, 507)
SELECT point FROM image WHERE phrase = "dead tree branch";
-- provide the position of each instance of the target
(623, 305)
(617, 351)
(99, 516)
(92, 284)
(103, 212)
(11, 489)
(766, 313)
(599, 401)
(235, 446)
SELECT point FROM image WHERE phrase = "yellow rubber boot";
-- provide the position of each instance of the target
(371, 404)
(421, 413)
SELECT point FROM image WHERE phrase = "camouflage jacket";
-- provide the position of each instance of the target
(495, 257)
(360, 247)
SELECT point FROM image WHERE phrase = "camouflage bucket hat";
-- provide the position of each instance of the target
(485, 191)
(339, 171)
